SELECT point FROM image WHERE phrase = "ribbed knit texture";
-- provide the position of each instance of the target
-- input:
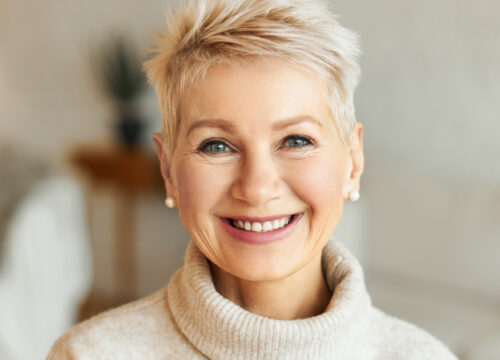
(189, 319)
(250, 336)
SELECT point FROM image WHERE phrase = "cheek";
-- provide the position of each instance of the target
(319, 183)
(199, 188)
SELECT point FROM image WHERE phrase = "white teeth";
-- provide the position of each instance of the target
(267, 226)
(261, 227)
(257, 227)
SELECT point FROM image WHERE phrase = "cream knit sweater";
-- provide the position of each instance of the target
(189, 319)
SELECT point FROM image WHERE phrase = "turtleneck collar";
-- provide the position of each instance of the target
(220, 329)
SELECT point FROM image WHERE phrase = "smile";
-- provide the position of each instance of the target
(264, 226)
(261, 230)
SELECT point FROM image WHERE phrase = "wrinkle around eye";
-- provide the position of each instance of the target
(225, 158)
(218, 157)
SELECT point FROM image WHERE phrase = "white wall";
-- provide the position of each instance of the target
(49, 97)
(429, 93)
(429, 102)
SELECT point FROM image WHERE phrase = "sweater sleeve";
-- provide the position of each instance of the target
(395, 339)
(61, 351)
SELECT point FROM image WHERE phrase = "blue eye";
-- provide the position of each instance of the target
(297, 141)
(214, 147)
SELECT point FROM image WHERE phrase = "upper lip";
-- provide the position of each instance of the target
(258, 219)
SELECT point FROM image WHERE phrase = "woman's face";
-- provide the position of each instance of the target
(257, 143)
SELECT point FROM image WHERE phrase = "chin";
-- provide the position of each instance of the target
(267, 265)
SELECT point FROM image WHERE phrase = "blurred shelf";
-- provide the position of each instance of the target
(123, 168)
(128, 173)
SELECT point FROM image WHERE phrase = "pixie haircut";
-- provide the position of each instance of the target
(204, 33)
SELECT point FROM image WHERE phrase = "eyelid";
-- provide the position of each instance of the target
(206, 141)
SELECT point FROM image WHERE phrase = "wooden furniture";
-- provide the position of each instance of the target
(128, 172)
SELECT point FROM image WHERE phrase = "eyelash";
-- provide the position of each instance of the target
(308, 141)
(203, 148)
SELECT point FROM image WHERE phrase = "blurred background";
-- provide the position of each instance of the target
(83, 226)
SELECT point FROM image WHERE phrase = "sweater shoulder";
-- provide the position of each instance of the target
(143, 329)
(397, 339)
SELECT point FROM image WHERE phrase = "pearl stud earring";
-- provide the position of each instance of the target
(170, 202)
(353, 195)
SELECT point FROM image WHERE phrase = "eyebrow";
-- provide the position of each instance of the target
(227, 126)
(281, 124)
(222, 124)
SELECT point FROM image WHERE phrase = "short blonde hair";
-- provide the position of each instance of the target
(203, 33)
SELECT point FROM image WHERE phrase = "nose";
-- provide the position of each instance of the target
(259, 179)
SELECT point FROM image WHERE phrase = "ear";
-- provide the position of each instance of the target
(357, 159)
(165, 164)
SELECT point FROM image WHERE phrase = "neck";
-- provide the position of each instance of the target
(278, 299)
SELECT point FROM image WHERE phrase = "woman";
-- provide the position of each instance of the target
(259, 149)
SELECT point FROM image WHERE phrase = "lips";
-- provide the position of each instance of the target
(261, 230)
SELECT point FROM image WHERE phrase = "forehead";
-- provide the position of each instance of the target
(262, 93)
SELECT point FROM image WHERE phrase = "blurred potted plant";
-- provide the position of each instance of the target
(119, 71)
